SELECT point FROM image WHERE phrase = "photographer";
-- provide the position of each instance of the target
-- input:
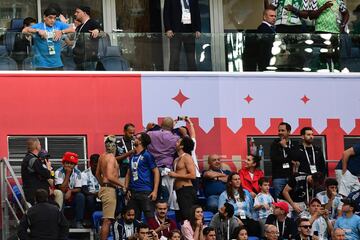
(144, 233)
(321, 225)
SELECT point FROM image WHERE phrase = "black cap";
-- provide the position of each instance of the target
(85, 9)
(349, 201)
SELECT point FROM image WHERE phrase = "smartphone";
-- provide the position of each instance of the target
(316, 233)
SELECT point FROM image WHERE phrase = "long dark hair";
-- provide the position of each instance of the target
(192, 218)
(230, 189)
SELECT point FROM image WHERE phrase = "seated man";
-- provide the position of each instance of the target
(214, 182)
(125, 227)
(210, 234)
(285, 225)
(224, 222)
(304, 230)
(331, 198)
(68, 180)
(349, 221)
(90, 185)
(320, 220)
(162, 225)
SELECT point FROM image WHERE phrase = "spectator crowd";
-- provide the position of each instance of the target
(148, 185)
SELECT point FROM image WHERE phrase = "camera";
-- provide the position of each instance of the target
(182, 118)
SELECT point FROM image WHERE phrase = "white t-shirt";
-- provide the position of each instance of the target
(193, 155)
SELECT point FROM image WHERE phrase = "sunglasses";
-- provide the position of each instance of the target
(306, 226)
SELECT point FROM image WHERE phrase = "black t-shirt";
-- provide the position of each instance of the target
(121, 149)
(281, 159)
(299, 188)
(86, 47)
(300, 155)
(286, 232)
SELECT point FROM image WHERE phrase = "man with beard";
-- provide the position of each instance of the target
(125, 145)
(281, 155)
(107, 174)
(125, 228)
(142, 178)
(224, 222)
(310, 157)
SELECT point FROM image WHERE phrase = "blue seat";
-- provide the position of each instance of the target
(207, 217)
(7, 64)
(113, 61)
(96, 218)
(253, 238)
(171, 214)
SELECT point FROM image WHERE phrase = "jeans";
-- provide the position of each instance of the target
(78, 204)
(278, 185)
(142, 203)
(212, 203)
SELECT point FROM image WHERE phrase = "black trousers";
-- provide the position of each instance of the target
(142, 203)
(179, 39)
(186, 198)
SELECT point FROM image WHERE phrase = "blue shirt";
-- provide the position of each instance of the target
(351, 226)
(213, 186)
(42, 56)
(240, 206)
(141, 175)
(354, 162)
(262, 199)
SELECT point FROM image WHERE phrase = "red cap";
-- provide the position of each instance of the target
(283, 206)
(70, 157)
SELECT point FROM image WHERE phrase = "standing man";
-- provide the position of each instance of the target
(85, 51)
(43, 220)
(280, 154)
(214, 181)
(107, 173)
(181, 18)
(125, 145)
(184, 173)
(349, 222)
(289, 14)
(348, 170)
(266, 40)
(310, 157)
(142, 178)
(47, 44)
(33, 174)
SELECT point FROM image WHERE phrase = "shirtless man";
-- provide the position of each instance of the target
(107, 174)
(184, 172)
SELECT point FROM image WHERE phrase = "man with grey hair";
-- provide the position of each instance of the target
(271, 232)
(107, 174)
(339, 234)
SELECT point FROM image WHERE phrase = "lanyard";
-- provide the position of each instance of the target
(307, 155)
(284, 153)
(52, 29)
(137, 160)
(185, 4)
(228, 229)
(283, 227)
(77, 33)
(307, 192)
(126, 149)
(158, 221)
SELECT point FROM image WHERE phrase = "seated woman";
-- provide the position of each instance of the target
(251, 174)
(192, 229)
(240, 233)
(175, 235)
(242, 202)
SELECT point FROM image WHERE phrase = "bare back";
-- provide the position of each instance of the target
(107, 166)
(184, 165)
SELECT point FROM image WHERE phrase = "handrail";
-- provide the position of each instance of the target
(7, 172)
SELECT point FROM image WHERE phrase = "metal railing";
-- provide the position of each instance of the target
(7, 173)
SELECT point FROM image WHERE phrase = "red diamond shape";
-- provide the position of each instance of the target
(248, 99)
(180, 98)
(305, 99)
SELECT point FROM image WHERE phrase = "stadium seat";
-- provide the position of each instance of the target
(27, 64)
(207, 217)
(96, 218)
(7, 64)
(113, 61)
